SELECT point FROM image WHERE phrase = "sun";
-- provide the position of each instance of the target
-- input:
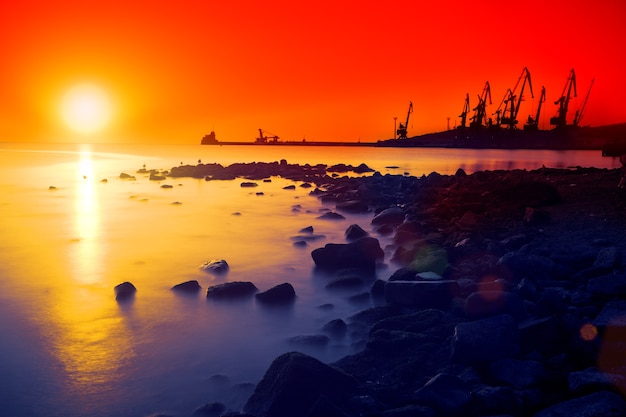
(86, 108)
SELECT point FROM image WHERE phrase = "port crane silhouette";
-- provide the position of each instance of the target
(480, 109)
(533, 124)
(402, 128)
(563, 102)
(511, 108)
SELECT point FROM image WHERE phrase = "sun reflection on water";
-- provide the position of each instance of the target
(91, 337)
(86, 254)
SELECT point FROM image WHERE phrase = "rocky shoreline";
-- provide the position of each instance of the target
(509, 297)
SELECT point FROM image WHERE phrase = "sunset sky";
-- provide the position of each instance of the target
(322, 70)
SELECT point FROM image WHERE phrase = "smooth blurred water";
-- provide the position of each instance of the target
(69, 349)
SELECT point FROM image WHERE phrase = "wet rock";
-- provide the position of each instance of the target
(294, 383)
(280, 294)
(331, 216)
(230, 290)
(445, 393)
(485, 340)
(602, 403)
(592, 379)
(415, 322)
(391, 216)
(336, 328)
(215, 409)
(493, 401)
(608, 285)
(608, 259)
(124, 291)
(519, 374)
(248, 184)
(289, 187)
(215, 266)
(308, 229)
(187, 287)
(421, 294)
(354, 232)
(125, 176)
(352, 206)
(482, 304)
(430, 258)
(361, 254)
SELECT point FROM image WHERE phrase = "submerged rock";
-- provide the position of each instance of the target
(188, 287)
(294, 383)
(362, 254)
(124, 291)
(215, 266)
(229, 290)
(280, 294)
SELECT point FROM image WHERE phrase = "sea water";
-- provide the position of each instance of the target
(71, 229)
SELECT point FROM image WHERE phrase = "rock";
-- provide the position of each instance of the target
(248, 184)
(421, 294)
(229, 290)
(430, 258)
(361, 254)
(598, 404)
(125, 176)
(485, 340)
(492, 401)
(517, 373)
(124, 291)
(608, 285)
(188, 287)
(308, 229)
(414, 322)
(289, 187)
(482, 304)
(445, 393)
(521, 266)
(352, 206)
(354, 232)
(280, 294)
(215, 266)
(215, 409)
(337, 328)
(403, 274)
(391, 216)
(156, 177)
(409, 411)
(294, 383)
(592, 379)
(608, 259)
(331, 216)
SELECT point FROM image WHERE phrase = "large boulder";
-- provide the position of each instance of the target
(229, 290)
(361, 254)
(294, 383)
(279, 294)
(421, 294)
(598, 404)
(124, 291)
(482, 304)
(486, 340)
(391, 216)
(187, 287)
(445, 393)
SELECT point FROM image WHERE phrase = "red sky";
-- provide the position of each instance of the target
(324, 70)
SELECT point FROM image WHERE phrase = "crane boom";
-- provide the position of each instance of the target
(402, 129)
(480, 109)
(511, 105)
(579, 113)
(463, 114)
(563, 102)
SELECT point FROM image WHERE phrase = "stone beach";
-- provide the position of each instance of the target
(505, 295)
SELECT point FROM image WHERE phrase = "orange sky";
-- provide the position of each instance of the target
(324, 70)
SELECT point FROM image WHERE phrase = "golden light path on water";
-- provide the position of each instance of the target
(91, 338)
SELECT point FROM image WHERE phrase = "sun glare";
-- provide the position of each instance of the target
(86, 108)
